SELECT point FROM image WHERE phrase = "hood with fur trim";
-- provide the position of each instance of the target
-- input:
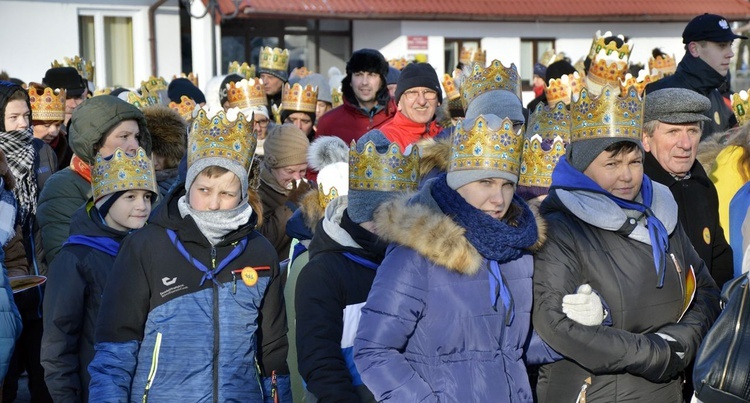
(168, 134)
(434, 235)
(312, 212)
(434, 153)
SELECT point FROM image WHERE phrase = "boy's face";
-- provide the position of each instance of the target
(130, 211)
(220, 192)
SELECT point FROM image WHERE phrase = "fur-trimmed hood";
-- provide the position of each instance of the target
(434, 235)
(434, 153)
(312, 212)
(710, 147)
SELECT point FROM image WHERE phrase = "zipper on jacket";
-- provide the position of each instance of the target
(154, 366)
(215, 291)
(582, 394)
(679, 278)
(274, 387)
(735, 338)
(259, 377)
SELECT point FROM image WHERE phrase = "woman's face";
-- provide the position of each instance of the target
(288, 174)
(125, 135)
(492, 195)
(17, 115)
(302, 121)
(47, 131)
(621, 175)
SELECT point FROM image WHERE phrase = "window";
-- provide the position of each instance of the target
(106, 38)
(531, 52)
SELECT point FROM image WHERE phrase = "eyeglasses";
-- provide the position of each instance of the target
(412, 95)
(261, 123)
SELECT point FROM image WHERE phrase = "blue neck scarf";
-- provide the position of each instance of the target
(568, 178)
(101, 243)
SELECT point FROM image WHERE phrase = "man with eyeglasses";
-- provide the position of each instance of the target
(418, 95)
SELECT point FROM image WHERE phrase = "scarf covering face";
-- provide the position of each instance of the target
(567, 178)
(494, 239)
(17, 147)
(215, 225)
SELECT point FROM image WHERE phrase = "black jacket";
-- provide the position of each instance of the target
(75, 285)
(695, 74)
(699, 214)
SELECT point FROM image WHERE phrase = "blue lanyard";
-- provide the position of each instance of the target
(208, 274)
(361, 260)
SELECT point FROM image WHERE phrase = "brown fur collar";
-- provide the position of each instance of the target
(311, 210)
(434, 154)
(433, 234)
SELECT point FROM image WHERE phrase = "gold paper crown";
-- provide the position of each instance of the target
(243, 70)
(273, 59)
(120, 172)
(472, 55)
(451, 92)
(494, 77)
(390, 171)
(398, 64)
(323, 198)
(85, 69)
(741, 107)
(297, 98)
(218, 137)
(49, 105)
(549, 56)
(639, 82)
(482, 147)
(598, 45)
(606, 115)
(185, 108)
(300, 72)
(549, 130)
(154, 84)
(102, 91)
(605, 71)
(337, 98)
(246, 93)
(664, 64)
(141, 101)
(193, 78)
(560, 89)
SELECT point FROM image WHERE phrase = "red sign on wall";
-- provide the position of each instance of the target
(416, 42)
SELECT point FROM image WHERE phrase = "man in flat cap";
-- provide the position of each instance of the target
(705, 68)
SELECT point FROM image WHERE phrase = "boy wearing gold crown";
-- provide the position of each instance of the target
(124, 187)
(613, 238)
(459, 260)
(196, 320)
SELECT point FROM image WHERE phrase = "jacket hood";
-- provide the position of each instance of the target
(417, 222)
(7, 89)
(434, 153)
(702, 76)
(95, 117)
(86, 221)
(168, 133)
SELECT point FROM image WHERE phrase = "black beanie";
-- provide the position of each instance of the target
(558, 69)
(105, 203)
(182, 86)
(223, 92)
(369, 60)
(418, 75)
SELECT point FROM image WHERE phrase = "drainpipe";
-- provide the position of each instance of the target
(152, 35)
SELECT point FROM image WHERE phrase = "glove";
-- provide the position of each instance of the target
(298, 191)
(675, 365)
(584, 307)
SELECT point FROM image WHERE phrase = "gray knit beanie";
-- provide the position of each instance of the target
(497, 102)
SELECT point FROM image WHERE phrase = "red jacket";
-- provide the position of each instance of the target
(403, 131)
(350, 122)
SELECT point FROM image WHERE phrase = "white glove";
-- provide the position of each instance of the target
(584, 307)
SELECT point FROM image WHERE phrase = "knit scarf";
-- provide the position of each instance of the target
(81, 168)
(215, 225)
(17, 147)
(568, 178)
(494, 239)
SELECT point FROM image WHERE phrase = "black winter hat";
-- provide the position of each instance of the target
(558, 69)
(418, 75)
(369, 60)
(709, 27)
(182, 86)
(223, 92)
(7, 89)
(65, 77)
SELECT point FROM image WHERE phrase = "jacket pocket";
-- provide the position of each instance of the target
(154, 366)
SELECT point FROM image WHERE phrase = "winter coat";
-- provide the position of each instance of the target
(694, 74)
(65, 192)
(331, 290)
(10, 321)
(433, 279)
(726, 177)
(205, 336)
(349, 122)
(614, 360)
(277, 210)
(404, 132)
(699, 215)
(72, 300)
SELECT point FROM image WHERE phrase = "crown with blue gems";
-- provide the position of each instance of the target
(549, 134)
(610, 114)
(121, 172)
(390, 171)
(221, 137)
(494, 77)
(481, 147)
(323, 198)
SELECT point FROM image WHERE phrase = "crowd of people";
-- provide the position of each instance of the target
(392, 236)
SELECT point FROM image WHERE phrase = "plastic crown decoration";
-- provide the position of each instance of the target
(243, 70)
(246, 93)
(193, 78)
(273, 59)
(120, 172)
(219, 136)
(664, 64)
(141, 101)
(599, 43)
(298, 98)
(323, 198)
(561, 89)
(390, 171)
(494, 77)
(185, 108)
(549, 134)
(47, 106)
(398, 64)
(639, 82)
(337, 98)
(481, 147)
(451, 92)
(85, 69)
(468, 56)
(741, 106)
(607, 115)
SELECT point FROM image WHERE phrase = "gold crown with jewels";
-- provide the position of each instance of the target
(398, 64)
(193, 78)
(561, 89)
(143, 100)
(549, 56)
(185, 108)
(243, 70)
(468, 56)
(220, 137)
(480, 146)
(549, 134)
(741, 107)
(121, 172)
(337, 98)
(85, 69)
(451, 91)
(246, 93)
(493, 77)
(298, 98)
(47, 104)
(273, 59)
(609, 114)
(664, 64)
(639, 82)
(390, 171)
(154, 84)
(102, 91)
(323, 198)
(599, 44)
